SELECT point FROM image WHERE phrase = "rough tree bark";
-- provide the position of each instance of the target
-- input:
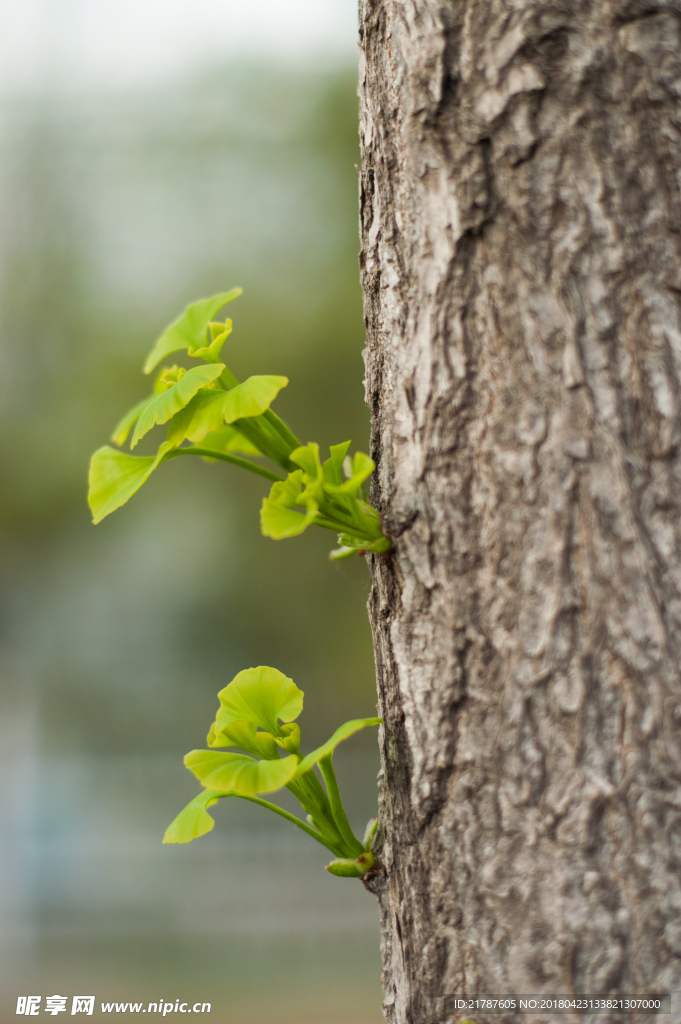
(520, 225)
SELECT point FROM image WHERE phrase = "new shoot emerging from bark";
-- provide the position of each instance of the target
(257, 716)
(213, 415)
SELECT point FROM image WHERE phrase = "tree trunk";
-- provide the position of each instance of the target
(520, 262)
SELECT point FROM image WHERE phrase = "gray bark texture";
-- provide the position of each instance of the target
(521, 222)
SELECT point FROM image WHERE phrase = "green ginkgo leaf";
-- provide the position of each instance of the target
(202, 422)
(190, 329)
(208, 407)
(210, 410)
(164, 406)
(245, 736)
(194, 820)
(124, 426)
(370, 833)
(342, 733)
(343, 552)
(262, 696)
(211, 353)
(239, 773)
(290, 740)
(362, 467)
(253, 397)
(278, 523)
(289, 491)
(333, 467)
(255, 700)
(348, 540)
(116, 476)
(229, 439)
(277, 519)
(203, 415)
(307, 457)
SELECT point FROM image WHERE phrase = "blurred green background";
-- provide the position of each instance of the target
(115, 210)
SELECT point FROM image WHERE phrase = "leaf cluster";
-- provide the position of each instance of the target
(211, 414)
(257, 717)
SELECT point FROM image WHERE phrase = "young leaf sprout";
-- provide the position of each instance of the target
(210, 414)
(257, 717)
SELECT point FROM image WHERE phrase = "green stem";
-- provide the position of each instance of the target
(208, 453)
(327, 524)
(256, 429)
(310, 784)
(347, 516)
(284, 814)
(279, 443)
(340, 817)
(282, 429)
(340, 526)
(314, 803)
(317, 805)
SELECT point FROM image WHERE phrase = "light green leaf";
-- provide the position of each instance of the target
(277, 520)
(307, 457)
(342, 733)
(230, 439)
(245, 736)
(266, 746)
(351, 544)
(125, 425)
(204, 414)
(348, 540)
(189, 330)
(333, 467)
(238, 773)
(370, 834)
(362, 467)
(289, 491)
(194, 820)
(209, 410)
(262, 696)
(116, 476)
(341, 553)
(253, 397)
(168, 376)
(290, 740)
(278, 523)
(162, 407)
(219, 334)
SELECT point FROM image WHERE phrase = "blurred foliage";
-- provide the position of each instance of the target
(115, 212)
